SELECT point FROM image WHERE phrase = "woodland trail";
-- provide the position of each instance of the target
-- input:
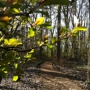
(44, 78)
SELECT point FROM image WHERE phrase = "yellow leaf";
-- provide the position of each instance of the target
(5, 71)
(12, 42)
(16, 65)
(6, 42)
(15, 10)
(5, 18)
(75, 30)
(28, 55)
(1, 39)
(39, 21)
(15, 77)
(32, 51)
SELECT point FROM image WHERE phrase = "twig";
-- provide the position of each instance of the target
(25, 14)
(27, 50)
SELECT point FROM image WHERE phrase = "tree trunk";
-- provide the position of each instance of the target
(58, 31)
(67, 26)
(88, 69)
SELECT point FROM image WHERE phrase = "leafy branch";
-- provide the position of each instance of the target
(25, 14)
(27, 50)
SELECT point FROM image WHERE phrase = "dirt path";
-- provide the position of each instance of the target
(58, 83)
(44, 78)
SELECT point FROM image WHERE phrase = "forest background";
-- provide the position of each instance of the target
(43, 30)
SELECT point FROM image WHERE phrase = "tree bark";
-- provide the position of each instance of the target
(58, 32)
(88, 69)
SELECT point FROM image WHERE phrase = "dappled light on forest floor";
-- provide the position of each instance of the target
(44, 79)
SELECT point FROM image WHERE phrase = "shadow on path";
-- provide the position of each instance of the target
(56, 73)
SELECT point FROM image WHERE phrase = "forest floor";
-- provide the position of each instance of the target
(47, 77)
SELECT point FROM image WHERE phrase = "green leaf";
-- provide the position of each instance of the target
(31, 33)
(29, 19)
(75, 30)
(16, 65)
(63, 31)
(53, 39)
(49, 27)
(15, 78)
(38, 42)
(49, 46)
(75, 34)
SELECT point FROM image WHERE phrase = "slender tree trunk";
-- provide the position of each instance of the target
(74, 43)
(58, 31)
(88, 70)
(67, 26)
(40, 51)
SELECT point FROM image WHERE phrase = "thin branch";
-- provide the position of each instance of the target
(25, 14)
(43, 44)
(27, 50)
